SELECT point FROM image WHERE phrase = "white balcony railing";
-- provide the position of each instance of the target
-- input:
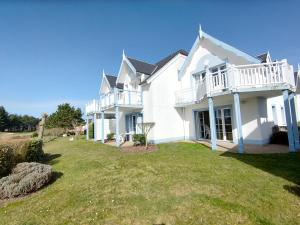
(252, 77)
(118, 97)
(92, 107)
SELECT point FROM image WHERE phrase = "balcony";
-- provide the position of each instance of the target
(243, 78)
(122, 98)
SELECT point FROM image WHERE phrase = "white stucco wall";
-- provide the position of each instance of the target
(278, 103)
(109, 127)
(159, 101)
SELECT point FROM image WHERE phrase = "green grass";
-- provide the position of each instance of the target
(181, 183)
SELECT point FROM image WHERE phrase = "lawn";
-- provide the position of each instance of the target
(180, 183)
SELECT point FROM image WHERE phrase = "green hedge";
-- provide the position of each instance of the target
(25, 151)
(6, 159)
(91, 130)
(139, 139)
(280, 138)
(34, 151)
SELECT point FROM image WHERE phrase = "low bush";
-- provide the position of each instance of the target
(29, 151)
(280, 138)
(25, 178)
(6, 159)
(34, 134)
(34, 150)
(139, 139)
(110, 136)
(91, 130)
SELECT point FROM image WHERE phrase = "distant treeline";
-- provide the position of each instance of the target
(14, 122)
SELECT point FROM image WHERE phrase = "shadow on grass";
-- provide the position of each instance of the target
(286, 166)
(55, 176)
(50, 159)
(295, 189)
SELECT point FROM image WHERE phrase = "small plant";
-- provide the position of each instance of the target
(110, 136)
(280, 138)
(139, 139)
(6, 159)
(25, 178)
(146, 128)
(34, 135)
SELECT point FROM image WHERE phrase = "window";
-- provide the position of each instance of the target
(198, 77)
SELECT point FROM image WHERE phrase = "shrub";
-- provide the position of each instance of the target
(280, 138)
(34, 150)
(54, 132)
(6, 159)
(110, 136)
(139, 139)
(91, 130)
(35, 134)
(25, 178)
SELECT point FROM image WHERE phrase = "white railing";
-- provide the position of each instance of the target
(118, 97)
(92, 107)
(264, 76)
(126, 97)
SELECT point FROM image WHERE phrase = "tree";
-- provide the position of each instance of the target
(4, 122)
(146, 127)
(66, 117)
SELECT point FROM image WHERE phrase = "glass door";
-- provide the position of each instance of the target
(202, 125)
(223, 124)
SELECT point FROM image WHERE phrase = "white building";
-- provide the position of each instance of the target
(214, 92)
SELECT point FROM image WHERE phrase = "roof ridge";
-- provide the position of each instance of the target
(141, 61)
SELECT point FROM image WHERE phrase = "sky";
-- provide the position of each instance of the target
(53, 52)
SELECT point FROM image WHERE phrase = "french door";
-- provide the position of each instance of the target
(223, 124)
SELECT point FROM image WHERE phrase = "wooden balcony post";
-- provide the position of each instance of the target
(95, 127)
(117, 126)
(294, 120)
(238, 120)
(212, 119)
(102, 126)
(285, 94)
(87, 128)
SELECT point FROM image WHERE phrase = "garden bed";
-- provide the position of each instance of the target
(139, 148)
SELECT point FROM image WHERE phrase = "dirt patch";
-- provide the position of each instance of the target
(12, 138)
(139, 149)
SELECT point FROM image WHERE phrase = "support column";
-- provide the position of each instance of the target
(238, 121)
(87, 128)
(294, 121)
(102, 126)
(212, 120)
(95, 127)
(117, 127)
(285, 95)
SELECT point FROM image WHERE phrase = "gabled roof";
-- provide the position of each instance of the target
(142, 67)
(112, 81)
(263, 57)
(150, 69)
(167, 59)
(201, 37)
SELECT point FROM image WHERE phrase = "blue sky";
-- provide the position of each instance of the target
(54, 51)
